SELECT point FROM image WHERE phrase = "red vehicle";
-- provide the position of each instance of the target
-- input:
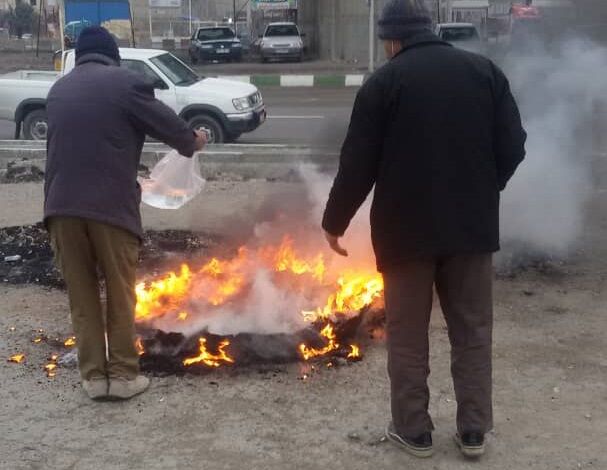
(525, 23)
(522, 11)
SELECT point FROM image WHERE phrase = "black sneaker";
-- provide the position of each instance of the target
(472, 444)
(419, 446)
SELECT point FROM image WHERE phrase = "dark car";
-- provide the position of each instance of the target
(215, 43)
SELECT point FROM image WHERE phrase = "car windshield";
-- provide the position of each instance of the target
(179, 73)
(213, 34)
(459, 34)
(282, 30)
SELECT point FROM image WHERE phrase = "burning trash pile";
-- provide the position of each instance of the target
(270, 304)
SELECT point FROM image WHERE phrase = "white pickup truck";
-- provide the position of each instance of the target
(224, 109)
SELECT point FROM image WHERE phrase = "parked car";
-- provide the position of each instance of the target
(462, 35)
(281, 41)
(215, 43)
(224, 109)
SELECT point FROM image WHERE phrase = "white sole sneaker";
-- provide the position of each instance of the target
(469, 451)
(96, 389)
(123, 389)
(412, 449)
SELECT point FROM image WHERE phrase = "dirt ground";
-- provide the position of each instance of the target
(550, 379)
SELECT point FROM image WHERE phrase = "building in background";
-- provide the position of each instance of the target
(6, 5)
(338, 29)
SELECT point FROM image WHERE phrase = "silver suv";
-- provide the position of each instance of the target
(281, 41)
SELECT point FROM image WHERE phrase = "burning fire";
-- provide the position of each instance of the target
(50, 369)
(327, 332)
(139, 346)
(17, 358)
(211, 360)
(70, 342)
(189, 292)
(354, 352)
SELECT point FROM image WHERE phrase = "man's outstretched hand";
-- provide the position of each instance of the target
(334, 244)
(201, 139)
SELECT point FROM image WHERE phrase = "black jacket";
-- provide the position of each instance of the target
(439, 134)
(99, 115)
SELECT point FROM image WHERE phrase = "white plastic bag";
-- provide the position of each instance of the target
(174, 181)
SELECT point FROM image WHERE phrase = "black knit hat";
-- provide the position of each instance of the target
(402, 18)
(97, 40)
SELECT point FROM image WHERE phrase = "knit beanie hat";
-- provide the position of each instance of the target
(97, 40)
(402, 18)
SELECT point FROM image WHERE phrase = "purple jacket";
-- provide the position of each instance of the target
(99, 115)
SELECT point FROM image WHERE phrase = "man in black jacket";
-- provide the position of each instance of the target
(438, 133)
(99, 115)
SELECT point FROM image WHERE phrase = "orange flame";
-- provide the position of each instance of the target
(17, 358)
(353, 293)
(50, 370)
(308, 353)
(70, 342)
(162, 295)
(139, 346)
(211, 360)
(285, 259)
(354, 352)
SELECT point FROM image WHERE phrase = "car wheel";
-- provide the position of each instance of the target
(193, 59)
(211, 126)
(35, 125)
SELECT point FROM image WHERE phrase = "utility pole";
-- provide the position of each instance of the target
(333, 30)
(234, 15)
(190, 16)
(371, 35)
(250, 17)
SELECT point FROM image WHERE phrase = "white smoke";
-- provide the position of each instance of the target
(557, 91)
(268, 309)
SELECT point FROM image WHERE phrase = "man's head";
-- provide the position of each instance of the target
(400, 20)
(97, 40)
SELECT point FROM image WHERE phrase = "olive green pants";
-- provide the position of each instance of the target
(84, 248)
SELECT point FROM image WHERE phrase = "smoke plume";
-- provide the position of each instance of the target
(557, 91)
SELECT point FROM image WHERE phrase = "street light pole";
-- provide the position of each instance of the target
(371, 35)
(190, 16)
(234, 16)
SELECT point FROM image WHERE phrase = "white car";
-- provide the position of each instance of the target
(462, 35)
(281, 41)
(224, 109)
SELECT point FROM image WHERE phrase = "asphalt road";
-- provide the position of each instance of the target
(309, 116)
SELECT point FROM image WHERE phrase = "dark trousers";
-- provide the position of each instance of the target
(464, 287)
(82, 248)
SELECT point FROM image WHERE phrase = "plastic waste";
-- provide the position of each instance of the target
(174, 181)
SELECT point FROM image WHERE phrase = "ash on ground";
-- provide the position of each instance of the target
(517, 259)
(21, 171)
(26, 256)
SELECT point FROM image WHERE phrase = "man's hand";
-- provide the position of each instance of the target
(201, 139)
(334, 244)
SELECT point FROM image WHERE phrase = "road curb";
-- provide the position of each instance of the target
(247, 161)
(300, 80)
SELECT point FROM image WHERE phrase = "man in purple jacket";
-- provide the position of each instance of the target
(99, 115)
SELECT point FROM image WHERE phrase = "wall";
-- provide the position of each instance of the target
(339, 29)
